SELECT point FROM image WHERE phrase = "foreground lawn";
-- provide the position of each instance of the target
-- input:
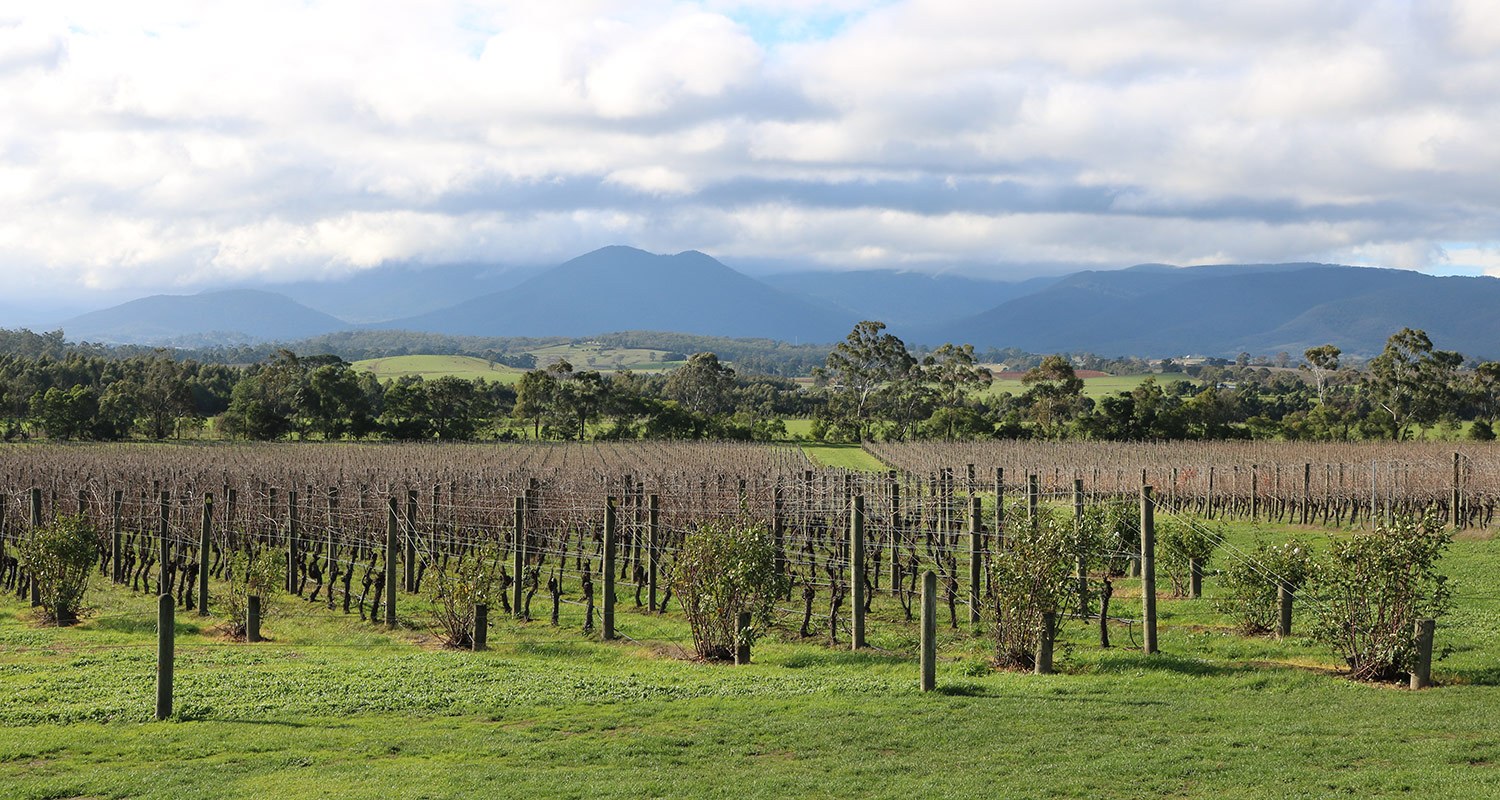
(333, 707)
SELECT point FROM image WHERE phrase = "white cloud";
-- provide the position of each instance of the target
(181, 144)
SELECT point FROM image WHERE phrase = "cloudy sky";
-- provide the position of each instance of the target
(179, 145)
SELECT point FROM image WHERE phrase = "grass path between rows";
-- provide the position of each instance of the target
(843, 456)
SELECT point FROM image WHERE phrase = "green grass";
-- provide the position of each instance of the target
(799, 428)
(333, 707)
(581, 356)
(604, 358)
(1093, 387)
(429, 367)
(843, 456)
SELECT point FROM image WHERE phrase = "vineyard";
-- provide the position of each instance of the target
(580, 523)
(585, 540)
(1325, 484)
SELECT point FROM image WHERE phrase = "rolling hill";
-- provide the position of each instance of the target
(402, 290)
(622, 288)
(1223, 310)
(902, 299)
(1149, 310)
(427, 367)
(229, 315)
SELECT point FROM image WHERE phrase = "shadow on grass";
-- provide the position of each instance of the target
(963, 690)
(1480, 676)
(193, 715)
(969, 689)
(1123, 662)
(840, 658)
(128, 625)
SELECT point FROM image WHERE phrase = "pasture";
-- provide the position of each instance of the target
(1095, 385)
(430, 367)
(584, 356)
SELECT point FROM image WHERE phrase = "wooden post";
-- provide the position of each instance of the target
(778, 536)
(1456, 497)
(410, 563)
(999, 506)
(895, 535)
(518, 560)
(392, 533)
(929, 631)
(1208, 505)
(1044, 643)
(857, 570)
(1148, 571)
(653, 543)
(1254, 492)
(607, 632)
(333, 542)
(1195, 578)
(742, 638)
(1032, 491)
(293, 559)
(36, 522)
(1421, 675)
(1284, 597)
(976, 560)
(252, 618)
(116, 537)
(165, 544)
(1082, 557)
(165, 646)
(481, 626)
(205, 533)
(1306, 491)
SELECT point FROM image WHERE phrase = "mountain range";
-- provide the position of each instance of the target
(1146, 310)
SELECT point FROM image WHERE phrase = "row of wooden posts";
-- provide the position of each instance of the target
(977, 546)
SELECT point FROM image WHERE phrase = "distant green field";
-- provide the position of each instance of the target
(603, 358)
(1092, 387)
(430, 367)
(799, 428)
(843, 456)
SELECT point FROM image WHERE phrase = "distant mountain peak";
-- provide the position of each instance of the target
(254, 314)
(1229, 308)
(619, 288)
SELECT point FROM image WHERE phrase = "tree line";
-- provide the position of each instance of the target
(873, 386)
(870, 386)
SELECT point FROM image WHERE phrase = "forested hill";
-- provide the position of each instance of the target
(903, 298)
(622, 288)
(1148, 311)
(1223, 310)
(227, 316)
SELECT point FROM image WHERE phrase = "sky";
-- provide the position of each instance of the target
(175, 146)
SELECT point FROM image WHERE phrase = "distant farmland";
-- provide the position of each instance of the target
(1095, 384)
(431, 367)
(583, 355)
(614, 359)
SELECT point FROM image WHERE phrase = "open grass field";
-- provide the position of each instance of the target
(333, 707)
(604, 358)
(1094, 385)
(429, 367)
(581, 356)
(843, 456)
